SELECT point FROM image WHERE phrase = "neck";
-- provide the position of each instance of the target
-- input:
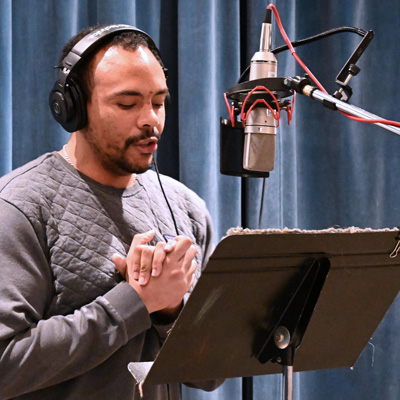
(78, 153)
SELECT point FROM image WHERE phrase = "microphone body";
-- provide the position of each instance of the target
(260, 126)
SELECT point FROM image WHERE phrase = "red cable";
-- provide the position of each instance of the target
(231, 111)
(372, 121)
(291, 48)
(297, 58)
(290, 108)
(276, 114)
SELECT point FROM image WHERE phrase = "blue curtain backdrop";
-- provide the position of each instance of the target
(330, 171)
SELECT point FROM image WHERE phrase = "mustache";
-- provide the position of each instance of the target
(146, 134)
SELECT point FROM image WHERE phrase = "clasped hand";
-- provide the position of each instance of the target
(160, 274)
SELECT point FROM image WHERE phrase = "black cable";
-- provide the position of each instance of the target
(166, 198)
(310, 39)
(261, 204)
(322, 35)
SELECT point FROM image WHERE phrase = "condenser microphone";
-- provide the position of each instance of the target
(260, 125)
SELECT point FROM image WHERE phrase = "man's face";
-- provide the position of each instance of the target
(126, 112)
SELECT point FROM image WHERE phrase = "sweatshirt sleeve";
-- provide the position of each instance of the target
(37, 352)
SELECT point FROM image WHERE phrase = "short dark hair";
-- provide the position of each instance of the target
(129, 40)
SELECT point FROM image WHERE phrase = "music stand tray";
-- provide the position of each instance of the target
(344, 280)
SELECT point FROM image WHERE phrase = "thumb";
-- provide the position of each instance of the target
(120, 263)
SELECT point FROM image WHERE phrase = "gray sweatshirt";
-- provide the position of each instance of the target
(69, 323)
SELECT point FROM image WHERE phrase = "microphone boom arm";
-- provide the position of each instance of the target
(302, 86)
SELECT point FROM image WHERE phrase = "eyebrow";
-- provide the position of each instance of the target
(137, 94)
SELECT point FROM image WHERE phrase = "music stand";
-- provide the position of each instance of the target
(263, 293)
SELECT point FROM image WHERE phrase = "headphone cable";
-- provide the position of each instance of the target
(165, 197)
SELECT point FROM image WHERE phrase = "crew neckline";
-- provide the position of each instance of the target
(125, 192)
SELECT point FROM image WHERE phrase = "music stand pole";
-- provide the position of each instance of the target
(280, 343)
(287, 382)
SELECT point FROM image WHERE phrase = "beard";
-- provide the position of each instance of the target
(117, 161)
(127, 166)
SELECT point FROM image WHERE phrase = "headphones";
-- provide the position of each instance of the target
(66, 99)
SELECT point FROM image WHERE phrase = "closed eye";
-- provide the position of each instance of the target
(125, 106)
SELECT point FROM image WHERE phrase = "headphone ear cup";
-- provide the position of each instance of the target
(79, 113)
(68, 106)
(59, 104)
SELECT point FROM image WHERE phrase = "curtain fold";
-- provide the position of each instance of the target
(5, 87)
(329, 171)
(208, 64)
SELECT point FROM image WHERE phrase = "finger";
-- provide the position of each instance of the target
(120, 263)
(193, 267)
(135, 252)
(158, 259)
(192, 273)
(183, 243)
(146, 262)
(171, 244)
(134, 260)
(192, 282)
(142, 238)
(189, 257)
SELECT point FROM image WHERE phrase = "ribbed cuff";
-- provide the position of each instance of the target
(130, 307)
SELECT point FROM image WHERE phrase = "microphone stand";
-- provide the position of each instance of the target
(302, 86)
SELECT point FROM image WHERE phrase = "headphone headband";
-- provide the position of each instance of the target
(88, 43)
(66, 99)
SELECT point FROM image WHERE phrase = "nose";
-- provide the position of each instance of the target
(148, 117)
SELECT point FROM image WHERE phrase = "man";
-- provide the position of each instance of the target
(95, 264)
